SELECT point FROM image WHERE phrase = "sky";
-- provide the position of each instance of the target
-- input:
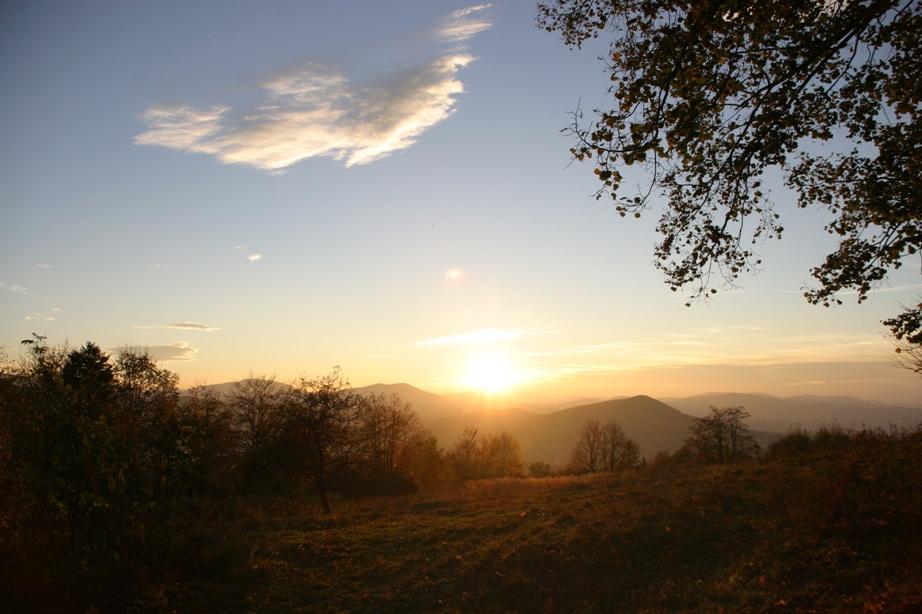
(245, 187)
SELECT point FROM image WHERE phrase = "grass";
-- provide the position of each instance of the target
(830, 528)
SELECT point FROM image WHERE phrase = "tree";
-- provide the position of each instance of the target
(722, 436)
(618, 451)
(604, 447)
(386, 426)
(255, 402)
(907, 335)
(710, 94)
(502, 456)
(318, 429)
(465, 455)
(589, 450)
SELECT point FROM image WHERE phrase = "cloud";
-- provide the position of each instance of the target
(464, 23)
(41, 316)
(317, 112)
(178, 351)
(15, 289)
(190, 326)
(254, 257)
(42, 265)
(179, 326)
(478, 337)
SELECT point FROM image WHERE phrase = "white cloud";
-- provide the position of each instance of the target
(190, 326)
(254, 257)
(464, 23)
(41, 316)
(179, 326)
(42, 265)
(15, 289)
(318, 112)
(178, 351)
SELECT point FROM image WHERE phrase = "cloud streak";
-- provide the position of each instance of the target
(193, 326)
(15, 289)
(178, 351)
(190, 326)
(317, 112)
(464, 23)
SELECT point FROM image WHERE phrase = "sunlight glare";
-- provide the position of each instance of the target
(490, 373)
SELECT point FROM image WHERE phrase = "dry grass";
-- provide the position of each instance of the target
(832, 528)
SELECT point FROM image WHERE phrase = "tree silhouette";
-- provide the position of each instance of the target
(604, 447)
(318, 422)
(722, 436)
(710, 95)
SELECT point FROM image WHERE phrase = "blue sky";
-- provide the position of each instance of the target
(278, 187)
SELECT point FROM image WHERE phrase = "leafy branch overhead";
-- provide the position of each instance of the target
(709, 95)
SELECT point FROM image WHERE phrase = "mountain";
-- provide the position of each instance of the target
(808, 411)
(427, 404)
(551, 437)
(226, 389)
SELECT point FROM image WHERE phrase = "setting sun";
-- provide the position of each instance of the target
(490, 373)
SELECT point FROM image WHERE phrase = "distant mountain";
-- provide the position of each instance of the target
(427, 404)
(226, 389)
(808, 411)
(655, 425)
(551, 437)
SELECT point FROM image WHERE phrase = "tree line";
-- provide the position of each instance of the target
(99, 453)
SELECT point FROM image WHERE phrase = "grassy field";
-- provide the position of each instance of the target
(833, 528)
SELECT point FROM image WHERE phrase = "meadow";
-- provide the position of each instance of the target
(827, 522)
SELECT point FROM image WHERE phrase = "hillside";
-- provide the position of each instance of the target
(780, 414)
(550, 437)
(835, 529)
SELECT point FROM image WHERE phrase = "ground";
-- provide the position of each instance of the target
(832, 528)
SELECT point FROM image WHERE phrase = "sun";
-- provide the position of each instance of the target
(490, 373)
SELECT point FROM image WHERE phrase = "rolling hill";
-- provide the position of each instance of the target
(780, 414)
(550, 437)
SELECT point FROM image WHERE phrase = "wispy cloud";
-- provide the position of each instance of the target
(478, 337)
(318, 112)
(178, 351)
(15, 289)
(41, 316)
(42, 265)
(254, 257)
(464, 23)
(194, 326)
(190, 326)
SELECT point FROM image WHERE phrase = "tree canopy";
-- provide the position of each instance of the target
(710, 94)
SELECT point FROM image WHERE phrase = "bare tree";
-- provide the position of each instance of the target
(502, 455)
(465, 455)
(587, 456)
(256, 402)
(386, 428)
(319, 418)
(722, 436)
(618, 451)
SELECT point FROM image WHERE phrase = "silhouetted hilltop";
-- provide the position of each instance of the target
(551, 437)
(808, 411)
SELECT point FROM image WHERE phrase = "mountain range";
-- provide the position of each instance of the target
(549, 434)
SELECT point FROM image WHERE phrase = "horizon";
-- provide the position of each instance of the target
(284, 189)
